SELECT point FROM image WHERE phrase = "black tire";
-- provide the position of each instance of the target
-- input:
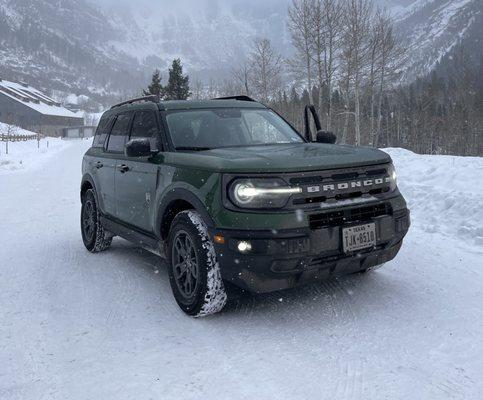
(94, 236)
(194, 272)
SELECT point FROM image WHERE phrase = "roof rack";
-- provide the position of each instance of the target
(153, 99)
(239, 98)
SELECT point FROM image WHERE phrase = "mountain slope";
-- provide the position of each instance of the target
(107, 49)
(211, 36)
(434, 29)
(61, 45)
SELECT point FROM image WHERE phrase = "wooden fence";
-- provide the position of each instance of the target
(19, 138)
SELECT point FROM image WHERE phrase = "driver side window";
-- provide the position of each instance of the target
(144, 125)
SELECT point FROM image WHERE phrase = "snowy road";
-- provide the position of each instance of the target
(80, 326)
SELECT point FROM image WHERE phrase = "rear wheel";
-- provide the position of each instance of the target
(94, 236)
(194, 271)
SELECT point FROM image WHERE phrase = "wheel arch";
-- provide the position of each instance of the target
(176, 201)
(86, 184)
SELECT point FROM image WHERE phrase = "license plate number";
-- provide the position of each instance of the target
(358, 237)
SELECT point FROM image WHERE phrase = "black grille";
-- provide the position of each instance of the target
(321, 186)
(350, 215)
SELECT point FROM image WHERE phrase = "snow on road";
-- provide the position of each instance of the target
(80, 326)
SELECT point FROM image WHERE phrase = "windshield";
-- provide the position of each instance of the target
(217, 128)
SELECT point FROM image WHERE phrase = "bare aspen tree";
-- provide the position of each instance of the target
(374, 53)
(212, 90)
(390, 57)
(326, 32)
(300, 25)
(197, 90)
(242, 77)
(265, 68)
(357, 18)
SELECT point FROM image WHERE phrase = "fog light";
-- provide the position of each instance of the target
(244, 247)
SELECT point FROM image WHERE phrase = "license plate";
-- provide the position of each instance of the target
(358, 237)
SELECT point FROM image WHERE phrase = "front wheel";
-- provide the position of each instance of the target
(194, 272)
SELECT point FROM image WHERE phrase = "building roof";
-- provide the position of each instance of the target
(34, 99)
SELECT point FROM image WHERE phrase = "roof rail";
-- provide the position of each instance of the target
(153, 99)
(239, 98)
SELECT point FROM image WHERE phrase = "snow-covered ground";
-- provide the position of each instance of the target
(28, 155)
(79, 326)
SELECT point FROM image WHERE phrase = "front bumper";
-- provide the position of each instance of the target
(289, 258)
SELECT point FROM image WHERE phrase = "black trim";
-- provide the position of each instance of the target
(131, 233)
(185, 195)
(239, 98)
(152, 99)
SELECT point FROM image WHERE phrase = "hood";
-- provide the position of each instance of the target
(281, 158)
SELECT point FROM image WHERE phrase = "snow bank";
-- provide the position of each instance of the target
(15, 131)
(27, 156)
(444, 193)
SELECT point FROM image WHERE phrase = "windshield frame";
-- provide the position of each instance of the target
(172, 148)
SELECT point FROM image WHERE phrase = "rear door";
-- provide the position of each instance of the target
(136, 178)
(95, 160)
(113, 150)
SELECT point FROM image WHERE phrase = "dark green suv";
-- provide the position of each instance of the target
(230, 193)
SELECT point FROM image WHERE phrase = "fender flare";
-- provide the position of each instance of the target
(86, 178)
(185, 195)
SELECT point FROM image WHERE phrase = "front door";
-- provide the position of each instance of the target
(136, 178)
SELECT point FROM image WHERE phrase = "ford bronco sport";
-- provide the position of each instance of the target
(229, 192)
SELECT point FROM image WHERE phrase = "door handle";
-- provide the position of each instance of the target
(98, 165)
(123, 168)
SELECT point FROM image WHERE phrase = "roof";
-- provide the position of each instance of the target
(193, 105)
(148, 102)
(34, 99)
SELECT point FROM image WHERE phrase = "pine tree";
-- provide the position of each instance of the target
(178, 85)
(155, 88)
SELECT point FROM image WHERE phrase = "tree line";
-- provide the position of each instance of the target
(348, 62)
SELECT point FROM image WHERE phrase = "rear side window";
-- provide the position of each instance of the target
(119, 133)
(102, 131)
(144, 125)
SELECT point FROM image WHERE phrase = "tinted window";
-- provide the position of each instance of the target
(144, 125)
(119, 133)
(102, 131)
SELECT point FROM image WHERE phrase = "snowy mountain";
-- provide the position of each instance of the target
(108, 48)
(211, 36)
(61, 45)
(434, 29)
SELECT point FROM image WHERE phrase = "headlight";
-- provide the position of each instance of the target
(261, 193)
(391, 171)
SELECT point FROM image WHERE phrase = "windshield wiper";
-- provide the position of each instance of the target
(193, 148)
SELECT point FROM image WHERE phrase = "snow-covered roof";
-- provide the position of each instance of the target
(34, 99)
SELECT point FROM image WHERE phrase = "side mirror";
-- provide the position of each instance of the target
(326, 137)
(138, 148)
